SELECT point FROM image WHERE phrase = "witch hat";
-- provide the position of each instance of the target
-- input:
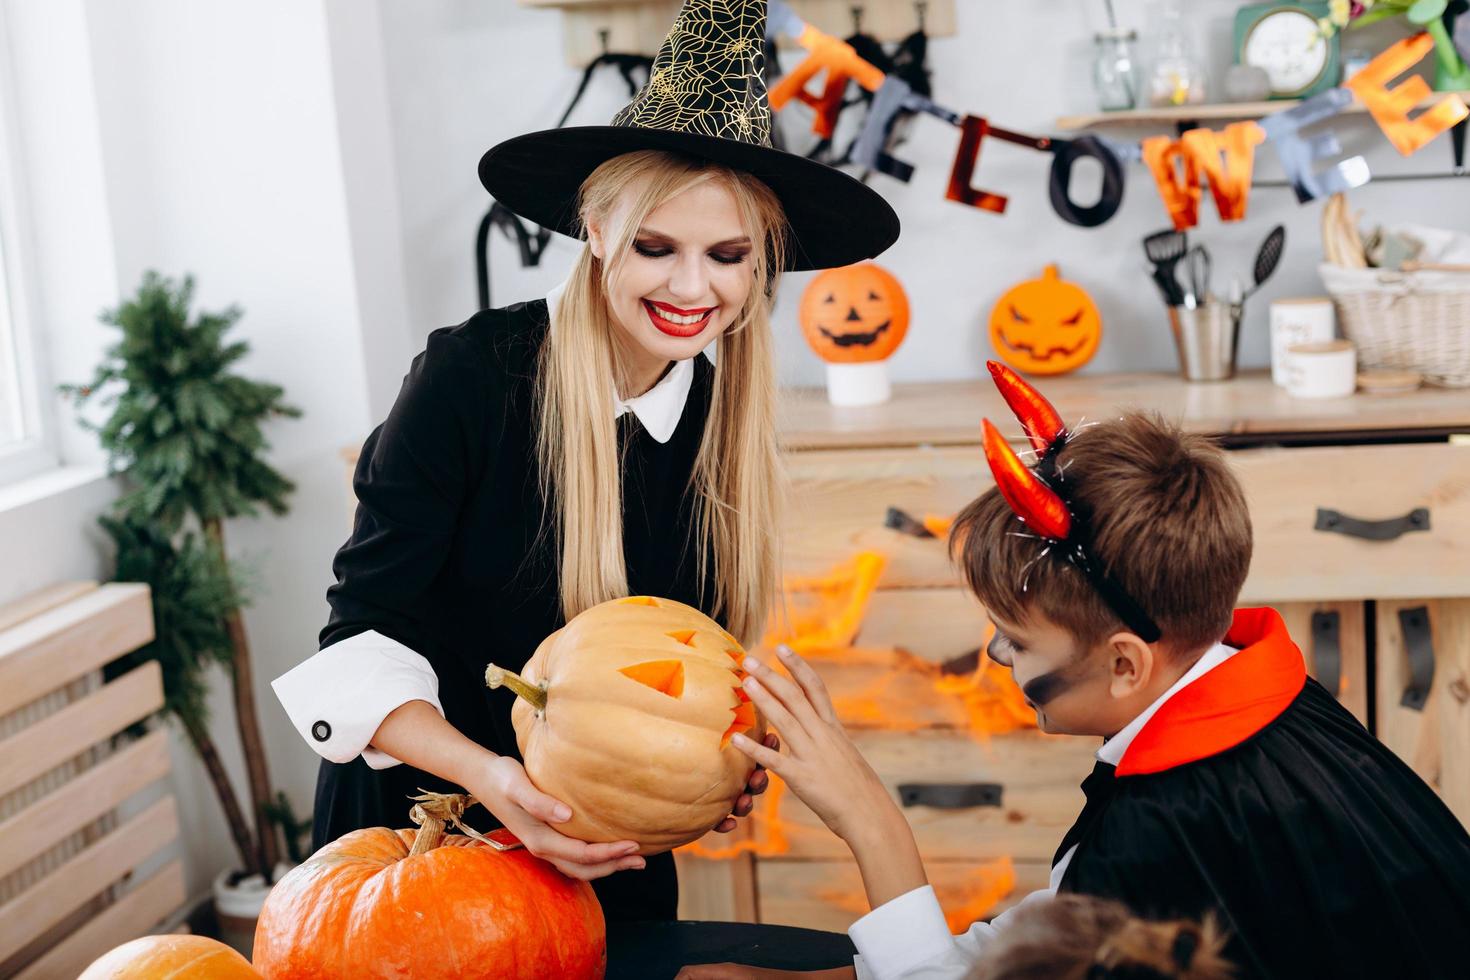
(705, 98)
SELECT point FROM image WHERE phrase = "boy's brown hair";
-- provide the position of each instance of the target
(1164, 515)
(1078, 937)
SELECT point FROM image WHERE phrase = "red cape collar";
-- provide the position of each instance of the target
(1227, 705)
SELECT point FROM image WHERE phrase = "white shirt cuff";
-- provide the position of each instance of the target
(338, 697)
(902, 935)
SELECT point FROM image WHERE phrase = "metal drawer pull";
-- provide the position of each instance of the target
(950, 796)
(1385, 530)
(1327, 650)
(1419, 646)
(905, 523)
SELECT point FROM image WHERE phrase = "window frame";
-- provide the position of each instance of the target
(36, 451)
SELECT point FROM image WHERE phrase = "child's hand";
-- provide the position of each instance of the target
(821, 765)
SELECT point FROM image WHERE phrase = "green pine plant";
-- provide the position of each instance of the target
(185, 433)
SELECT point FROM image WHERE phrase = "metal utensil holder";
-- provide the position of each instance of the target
(1207, 339)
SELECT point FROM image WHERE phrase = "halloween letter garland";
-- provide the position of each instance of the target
(1225, 159)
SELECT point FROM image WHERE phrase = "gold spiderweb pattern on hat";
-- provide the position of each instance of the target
(707, 77)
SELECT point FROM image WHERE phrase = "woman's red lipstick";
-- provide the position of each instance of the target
(677, 329)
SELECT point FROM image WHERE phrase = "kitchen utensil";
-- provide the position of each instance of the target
(1164, 249)
(1198, 266)
(1267, 257)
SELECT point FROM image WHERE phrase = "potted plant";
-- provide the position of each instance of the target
(184, 434)
(1438, 17)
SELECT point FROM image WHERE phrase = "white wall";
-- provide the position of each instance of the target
(246, 143)
(466, 73)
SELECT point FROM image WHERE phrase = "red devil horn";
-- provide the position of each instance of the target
(1042, 422)
(1033, 501)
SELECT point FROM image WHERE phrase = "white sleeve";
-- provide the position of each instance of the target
(338, 697)
(909, 939)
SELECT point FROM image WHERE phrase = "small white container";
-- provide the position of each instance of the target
(1304, 320)
(1325, 369)
(865, 383)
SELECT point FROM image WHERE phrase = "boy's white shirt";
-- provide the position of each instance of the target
(907, 938)
(338, 697)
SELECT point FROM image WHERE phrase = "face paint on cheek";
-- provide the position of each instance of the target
(1040, 690)
(1047, 687)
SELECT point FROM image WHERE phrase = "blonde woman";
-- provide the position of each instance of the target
(550, 455)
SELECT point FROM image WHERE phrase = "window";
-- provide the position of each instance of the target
(26, 440)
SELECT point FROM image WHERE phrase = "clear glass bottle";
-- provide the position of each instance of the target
(1114, 74)
(1177, 76)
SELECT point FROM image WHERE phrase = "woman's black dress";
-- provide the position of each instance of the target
(451, 555)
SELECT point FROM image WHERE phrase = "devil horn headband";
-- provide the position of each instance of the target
(1030, 494)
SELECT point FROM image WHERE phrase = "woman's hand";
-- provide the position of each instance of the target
(821, 765)
(745, 802)
(501, 784)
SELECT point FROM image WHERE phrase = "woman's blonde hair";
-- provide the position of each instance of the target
(1078, 937)
(736, 472)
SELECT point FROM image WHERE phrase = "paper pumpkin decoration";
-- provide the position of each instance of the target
(625, 714)
(1046, 325)
(854, 314)
(426, 904)
(179, 957)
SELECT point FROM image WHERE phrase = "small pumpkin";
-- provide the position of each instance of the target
(855, 313)
(626, 713)
(1046, 325)
(417, 903)
(176, 957)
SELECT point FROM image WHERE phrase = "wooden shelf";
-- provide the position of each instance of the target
(948, 413)
(1204, 113)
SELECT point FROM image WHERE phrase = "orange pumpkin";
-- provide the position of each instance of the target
(625, 714)
(177, 957)
(1045, 326)
(855, 313)
(405, 903)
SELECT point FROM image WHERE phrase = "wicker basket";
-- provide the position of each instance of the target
(1414, 321)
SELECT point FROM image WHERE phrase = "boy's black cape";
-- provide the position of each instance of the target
(1253, 794)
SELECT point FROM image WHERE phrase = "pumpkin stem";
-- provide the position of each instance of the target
(432, 812)
(499, 676)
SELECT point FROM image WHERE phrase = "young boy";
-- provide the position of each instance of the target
(1229, 783)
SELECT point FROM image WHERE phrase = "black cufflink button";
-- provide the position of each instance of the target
(321, 731)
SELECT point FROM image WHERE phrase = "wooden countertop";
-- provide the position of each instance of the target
(949, 413)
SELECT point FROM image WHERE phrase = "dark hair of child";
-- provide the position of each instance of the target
(1078, 937)
(1163, 513)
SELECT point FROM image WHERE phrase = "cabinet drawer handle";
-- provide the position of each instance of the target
(1385, 530)
(905, 523)
(1419, 646)
(1327, 650)
(950, 796)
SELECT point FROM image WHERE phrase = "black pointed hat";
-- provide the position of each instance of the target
(705, 98)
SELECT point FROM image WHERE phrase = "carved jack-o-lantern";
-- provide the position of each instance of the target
(1045, 326)
(854, 314)
(625, 714)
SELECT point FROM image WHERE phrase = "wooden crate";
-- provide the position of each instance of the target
(70, 841)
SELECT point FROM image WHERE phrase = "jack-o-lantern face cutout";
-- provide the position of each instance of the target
(1045, 326)
(854, 314)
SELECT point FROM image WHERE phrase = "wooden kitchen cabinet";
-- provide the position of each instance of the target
(1309, 469)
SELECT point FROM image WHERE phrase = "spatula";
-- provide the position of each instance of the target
(1164, 249)
(1267, 258)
